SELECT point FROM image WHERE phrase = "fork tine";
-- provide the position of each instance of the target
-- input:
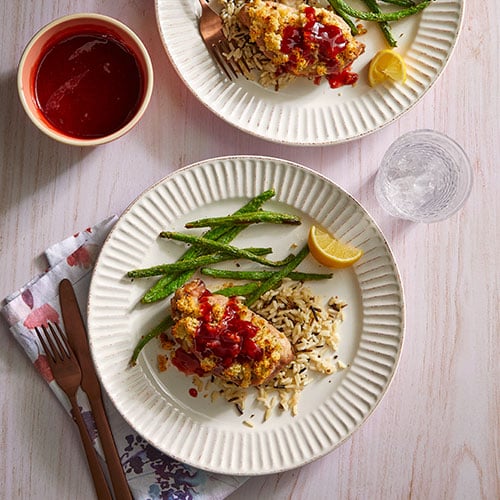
(218, 55)
(56, 354)
(243, 67)
(54, 343)
(237, 66)
(212, 32)
(225, 48)
(63, 347)
(48, 352)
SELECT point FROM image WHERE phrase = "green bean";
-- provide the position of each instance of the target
(259, 275)
(277, 277)
(239, 290)
(163, 287)
(348, 21)
(164, 325)
(216, 246)
(373, 16)
(384, 26)
(246, 218)
(401, 3)
(189, 264)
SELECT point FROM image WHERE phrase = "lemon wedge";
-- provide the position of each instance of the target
(329, 251)
(386, 64)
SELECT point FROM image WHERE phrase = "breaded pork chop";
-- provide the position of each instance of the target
(305, 41)
(221, 336)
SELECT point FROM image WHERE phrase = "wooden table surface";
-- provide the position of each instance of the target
(435, 435)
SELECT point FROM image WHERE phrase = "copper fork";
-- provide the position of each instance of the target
(67, 374)
(210, 26)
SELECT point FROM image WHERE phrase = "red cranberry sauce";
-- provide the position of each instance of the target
(316, 42)
(88, 85)
(229, 340)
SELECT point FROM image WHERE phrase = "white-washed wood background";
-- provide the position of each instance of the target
(436, 433)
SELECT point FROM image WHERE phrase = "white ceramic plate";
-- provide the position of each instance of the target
(209, 435)
(305, 114)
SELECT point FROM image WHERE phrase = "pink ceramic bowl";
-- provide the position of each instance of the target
(85, 79)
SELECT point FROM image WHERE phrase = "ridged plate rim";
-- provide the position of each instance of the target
(306, 114)
(216, 442)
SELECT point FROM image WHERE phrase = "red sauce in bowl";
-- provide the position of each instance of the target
(88, 85)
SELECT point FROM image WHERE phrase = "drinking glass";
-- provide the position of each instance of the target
(424, 176)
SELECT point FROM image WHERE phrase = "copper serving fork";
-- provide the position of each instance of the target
(68, 376)
(210, 26)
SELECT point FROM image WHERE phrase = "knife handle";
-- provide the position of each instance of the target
(100, 484)
(115, 468)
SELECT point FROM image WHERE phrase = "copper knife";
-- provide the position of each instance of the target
(78, 340)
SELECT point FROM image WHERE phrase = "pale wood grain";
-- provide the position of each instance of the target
(436, 433)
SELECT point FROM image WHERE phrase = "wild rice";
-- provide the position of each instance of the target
(312, 331)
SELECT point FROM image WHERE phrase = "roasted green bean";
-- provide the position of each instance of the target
(260, 275)
(190, 264)
(277, 277)
(378, 17)
(246, 218)
(384, 25)
(239, 290)
(400, 3)
(216, 246)
(164, 325)
(354, 29)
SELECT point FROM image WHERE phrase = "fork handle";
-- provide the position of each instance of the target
(100, 484)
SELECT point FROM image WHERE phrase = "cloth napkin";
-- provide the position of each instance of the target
(151, 474)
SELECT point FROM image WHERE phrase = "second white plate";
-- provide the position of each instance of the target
(303, 113)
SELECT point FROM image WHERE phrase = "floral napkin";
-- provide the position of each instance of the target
(151, 474)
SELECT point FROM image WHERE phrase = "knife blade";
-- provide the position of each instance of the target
(78, 340)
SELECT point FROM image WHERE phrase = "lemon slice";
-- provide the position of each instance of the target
(329, 251)
(386, 64)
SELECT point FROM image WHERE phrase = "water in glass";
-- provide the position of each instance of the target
(425, 176)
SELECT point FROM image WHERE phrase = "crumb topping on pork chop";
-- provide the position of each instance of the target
(221, 336)
(304, 40)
